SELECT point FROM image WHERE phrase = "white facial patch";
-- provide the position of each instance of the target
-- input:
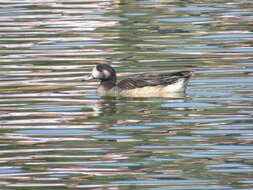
(95, 73)
(106, 73)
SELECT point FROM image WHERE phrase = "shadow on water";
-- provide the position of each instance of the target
(56, 133)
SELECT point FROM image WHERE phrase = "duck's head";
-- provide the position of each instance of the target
(103, 72)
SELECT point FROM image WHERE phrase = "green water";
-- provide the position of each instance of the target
(57, 133)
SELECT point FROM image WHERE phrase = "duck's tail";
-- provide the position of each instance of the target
(181, 80)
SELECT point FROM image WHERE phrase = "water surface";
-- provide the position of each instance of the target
(57, 133)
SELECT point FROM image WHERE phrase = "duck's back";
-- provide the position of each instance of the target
(145, 80)
(156, 84)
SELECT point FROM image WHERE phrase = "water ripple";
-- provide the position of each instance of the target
(57, 133)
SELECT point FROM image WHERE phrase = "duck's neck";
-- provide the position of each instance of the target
(109, 83)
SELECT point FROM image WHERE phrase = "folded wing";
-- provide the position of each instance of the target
(144, 80)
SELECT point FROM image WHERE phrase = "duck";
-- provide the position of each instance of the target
(142, 85)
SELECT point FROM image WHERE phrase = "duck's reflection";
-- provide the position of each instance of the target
(125, 108)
